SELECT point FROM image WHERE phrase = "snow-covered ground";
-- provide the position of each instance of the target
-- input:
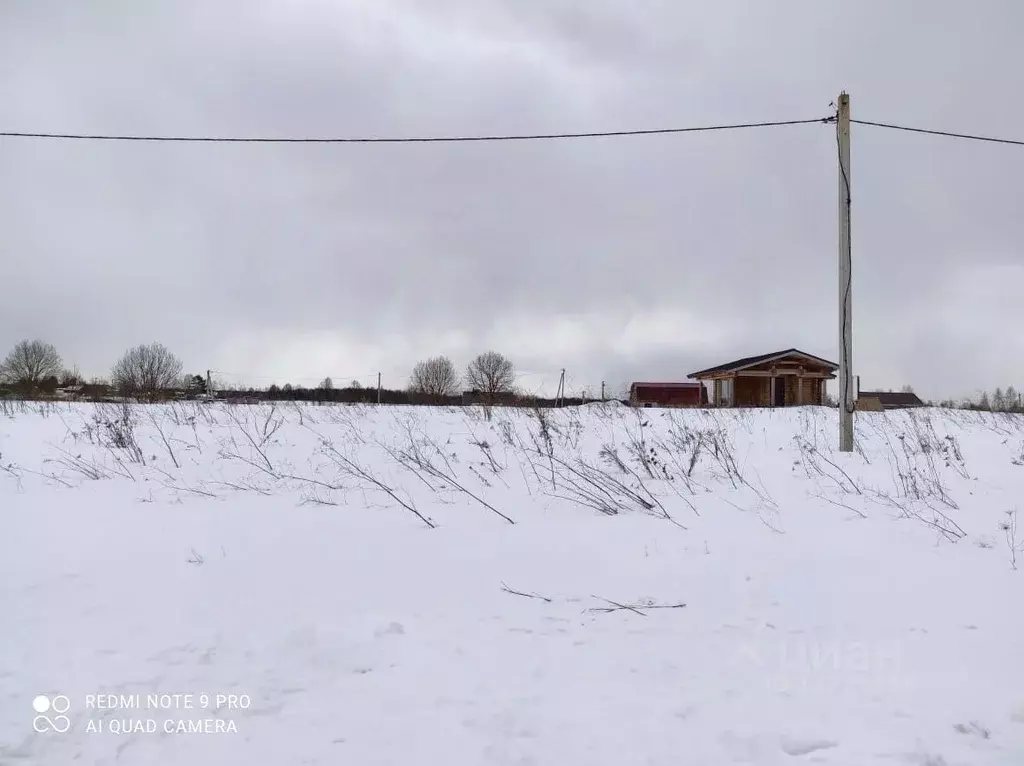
(595, 585)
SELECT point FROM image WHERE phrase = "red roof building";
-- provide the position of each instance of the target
(667, 395)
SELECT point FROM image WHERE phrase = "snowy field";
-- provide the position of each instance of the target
(590, 586)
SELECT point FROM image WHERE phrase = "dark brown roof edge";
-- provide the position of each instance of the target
(749, 361)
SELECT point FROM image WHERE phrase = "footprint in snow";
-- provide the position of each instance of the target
(806, 746)
(391, 629)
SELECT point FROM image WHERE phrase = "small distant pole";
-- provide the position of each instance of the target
(209, 384)
(378, 388)
(846, 400)
(602, 390)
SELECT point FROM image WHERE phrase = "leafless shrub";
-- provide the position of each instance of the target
(146, 370)
(176, 484)
(574, 427)
(434, 377)
(244, 485)
(721, 449)
(583, 483)
(29, 364)
(914, 462)
(45, 409)
(489, 460)
(1009, 529)
(490, 373)
(164, 439)
(314, 495)
(87, 468)
(1019, 460)
(537, 596)
(816, 464)
(638, 608)
(685, 447)
(301, 412)
(257, 428)
(11, 471)
(507, 432)
(644, 453)
(115, 428)
(424, 457)
(368, 480)
(910, 508)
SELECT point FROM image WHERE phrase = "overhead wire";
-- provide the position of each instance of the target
(494, 137)
(406, 139)
(934, 132)
(831, 119)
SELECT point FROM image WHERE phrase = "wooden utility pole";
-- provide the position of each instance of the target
(602, 390)
(378, 388)
(560, 396)
(209, 384)
(846, 399)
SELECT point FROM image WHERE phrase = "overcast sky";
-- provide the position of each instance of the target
(616, 258)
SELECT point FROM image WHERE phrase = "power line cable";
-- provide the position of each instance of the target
(407, 139)
(495, 137)
(946, 133)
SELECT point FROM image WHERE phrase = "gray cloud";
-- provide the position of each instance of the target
(614, 258)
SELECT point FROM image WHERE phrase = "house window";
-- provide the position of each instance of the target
(727, 392)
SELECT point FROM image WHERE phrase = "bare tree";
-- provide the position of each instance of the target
(327, 384)
(1012, 399)
(72, 377)
(434, 377)
(30, 363)
(146, 370)
(491, 373)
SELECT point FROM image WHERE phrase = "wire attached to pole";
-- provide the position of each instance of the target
(409, 139)
(946, 133)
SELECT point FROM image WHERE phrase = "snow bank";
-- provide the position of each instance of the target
(594, 585)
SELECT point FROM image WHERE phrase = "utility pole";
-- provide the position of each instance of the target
(846, 400)
(378, 388)
(602, 390)
(209, 384)
(561, 390)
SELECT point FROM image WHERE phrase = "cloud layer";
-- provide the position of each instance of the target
(615, 259)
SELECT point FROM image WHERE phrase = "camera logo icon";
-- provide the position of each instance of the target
(58, 723)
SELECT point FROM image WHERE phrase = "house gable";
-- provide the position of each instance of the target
(791, 357)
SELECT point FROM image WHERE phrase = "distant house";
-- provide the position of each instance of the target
(779, 379)
(69, 392)
(667, 395)
(877, 401)
(95, 391)
(506, 398)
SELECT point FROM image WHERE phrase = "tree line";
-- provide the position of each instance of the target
(34, 368)
(151, 371)
(1007, 399)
